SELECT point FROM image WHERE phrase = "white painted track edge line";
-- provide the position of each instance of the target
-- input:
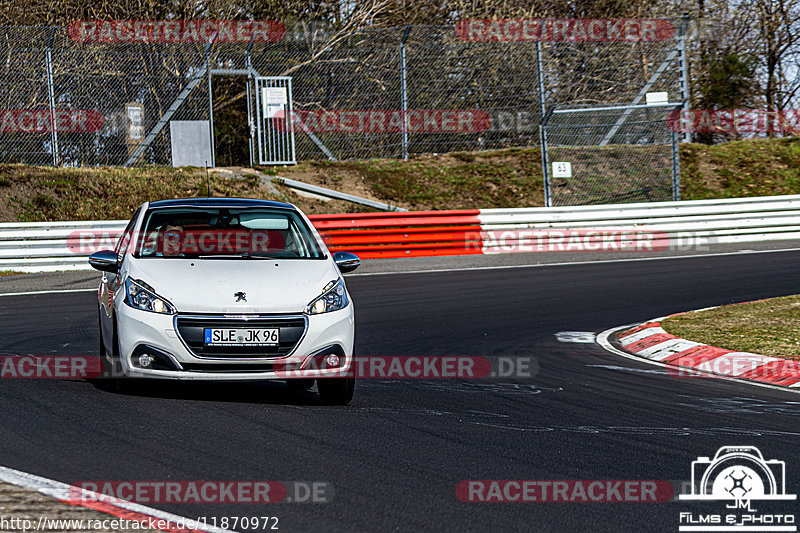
(52, 488)
(602, 340)
(49, 291)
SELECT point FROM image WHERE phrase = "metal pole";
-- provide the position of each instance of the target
(684, 83)
(403, 90)
(51, 98)
(542, 124)
(676, 169)
(250, 126)
(211, 113)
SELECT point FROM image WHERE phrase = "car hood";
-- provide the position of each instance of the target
(210, 285)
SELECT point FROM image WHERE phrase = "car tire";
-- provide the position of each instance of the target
(300, 384)
(336, 391)
(105, 366)
(101, 347)
(121, 383)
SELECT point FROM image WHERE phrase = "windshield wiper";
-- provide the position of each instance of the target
(245, 255)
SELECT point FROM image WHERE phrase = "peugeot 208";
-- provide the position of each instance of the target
(227, 289)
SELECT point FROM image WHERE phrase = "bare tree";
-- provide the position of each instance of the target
(778, 27)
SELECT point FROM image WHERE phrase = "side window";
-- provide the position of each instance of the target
(125, 239)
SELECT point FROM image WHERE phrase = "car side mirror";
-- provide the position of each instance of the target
(104, 260)
(346, 261)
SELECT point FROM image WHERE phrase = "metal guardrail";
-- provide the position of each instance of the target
(50, 246)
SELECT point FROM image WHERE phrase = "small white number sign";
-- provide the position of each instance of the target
(562, 169)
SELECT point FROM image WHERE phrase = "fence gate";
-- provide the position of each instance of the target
(274, 127)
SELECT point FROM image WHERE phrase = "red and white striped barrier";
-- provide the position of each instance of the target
(692, 359)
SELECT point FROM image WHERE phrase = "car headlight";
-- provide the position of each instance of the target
(140, 295)
(333, 298)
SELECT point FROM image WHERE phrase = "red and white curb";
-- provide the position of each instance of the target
(147, 516)
(684, 357)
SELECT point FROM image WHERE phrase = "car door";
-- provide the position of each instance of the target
(109, 283)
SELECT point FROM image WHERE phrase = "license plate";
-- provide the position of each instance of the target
(242, 336)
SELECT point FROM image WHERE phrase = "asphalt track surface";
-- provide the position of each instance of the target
(396, 454)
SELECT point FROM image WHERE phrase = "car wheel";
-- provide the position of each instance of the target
(336, 391)
(300, 384)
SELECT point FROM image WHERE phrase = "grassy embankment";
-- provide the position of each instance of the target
(499, 178)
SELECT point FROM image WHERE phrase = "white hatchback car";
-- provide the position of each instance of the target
(227, 289)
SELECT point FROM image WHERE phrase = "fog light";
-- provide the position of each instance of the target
(145, 360)
(332, 360)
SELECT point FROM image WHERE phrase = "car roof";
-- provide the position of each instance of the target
(220, 202)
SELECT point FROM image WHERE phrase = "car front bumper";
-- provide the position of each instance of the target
(333, 331)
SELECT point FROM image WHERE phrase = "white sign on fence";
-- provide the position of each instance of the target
(273, 99)
(656, 98)
(562, 169)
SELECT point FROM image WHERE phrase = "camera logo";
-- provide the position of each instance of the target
(738, 473)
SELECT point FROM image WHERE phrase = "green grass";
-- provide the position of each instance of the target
(768, 327)
(503, 178)
(743, 168)
(49, 194)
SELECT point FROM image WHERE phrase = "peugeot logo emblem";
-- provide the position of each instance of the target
(240, 296)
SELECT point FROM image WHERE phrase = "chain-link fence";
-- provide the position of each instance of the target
(605, 139)
(612, 154)
(97, 103)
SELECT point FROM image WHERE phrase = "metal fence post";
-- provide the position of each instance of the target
(248, 62)
(676, 168)
(542, 125)
(210, 111)
(684, 78)
(403, 90)
(51, 97)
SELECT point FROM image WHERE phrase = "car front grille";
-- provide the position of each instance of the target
(191, 329)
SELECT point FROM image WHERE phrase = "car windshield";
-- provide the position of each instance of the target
(226, 233)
